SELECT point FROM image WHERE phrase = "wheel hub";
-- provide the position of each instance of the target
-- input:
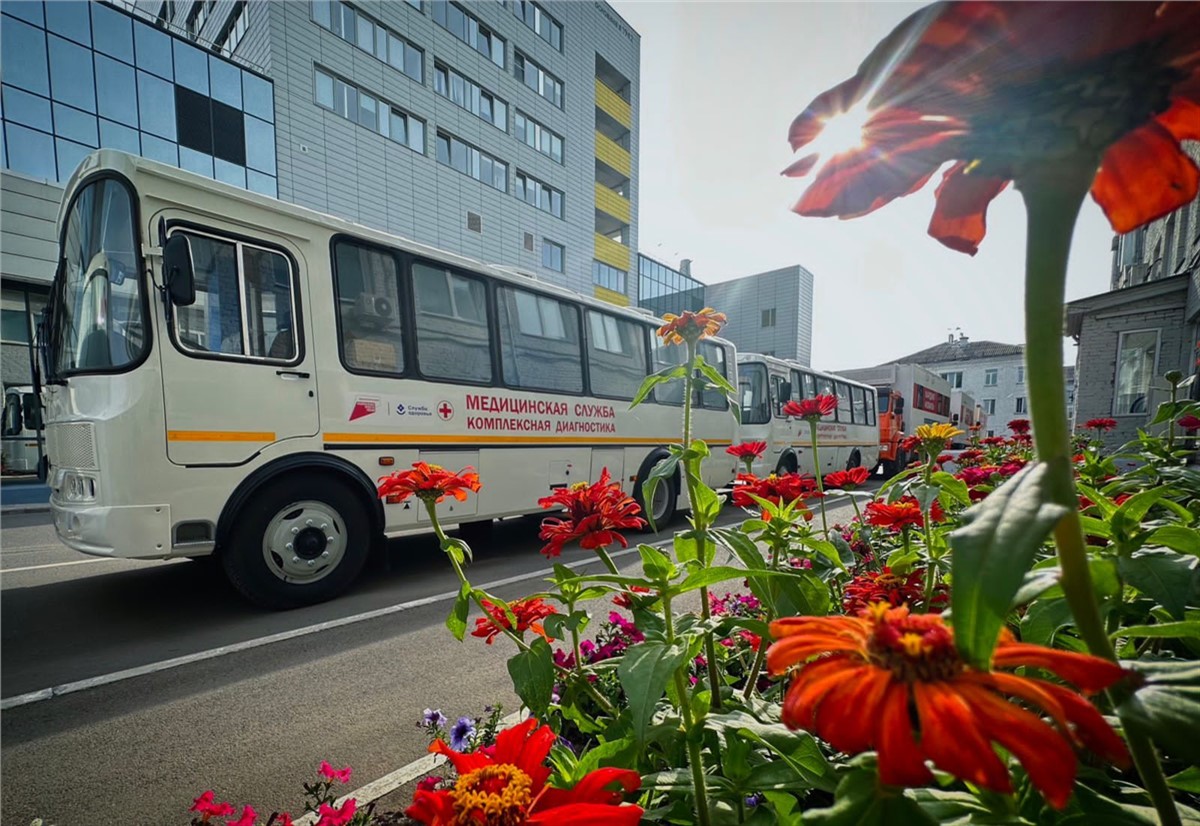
(310, 543)
(304, 542)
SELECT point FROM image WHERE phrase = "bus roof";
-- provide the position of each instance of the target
(746, 358)
(134, 168)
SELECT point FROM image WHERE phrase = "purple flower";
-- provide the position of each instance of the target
(753, 800)
(461, 734)
(433, 718)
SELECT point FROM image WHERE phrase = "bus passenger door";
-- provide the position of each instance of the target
(612, 459)
(237, 376)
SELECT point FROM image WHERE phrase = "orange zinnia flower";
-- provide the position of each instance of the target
(691, 326)
(594, 515)
(905, 512)
(431, 483)
(811, 409)
(506, 784)
(893, 682)
(786, 489)
(527, 612)
(997, 86)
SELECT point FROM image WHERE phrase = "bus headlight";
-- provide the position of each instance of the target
(76, 487)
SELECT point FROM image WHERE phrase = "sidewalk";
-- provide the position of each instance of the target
(24, 495)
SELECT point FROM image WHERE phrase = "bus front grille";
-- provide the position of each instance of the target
(72, 445)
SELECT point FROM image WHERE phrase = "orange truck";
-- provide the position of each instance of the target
(909, 395)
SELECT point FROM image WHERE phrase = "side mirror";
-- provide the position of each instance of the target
(179, 274)
(899, 407)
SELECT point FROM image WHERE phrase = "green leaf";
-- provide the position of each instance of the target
(1129, 513)
(654, 379)
(457, 550)
(1044, 619)
(801, 593)
(610, 753)
(1036, 583)
(532, 674)
(1102, 502)
(1177, 538)
(826, 549)
(992, 552)
(656, 565)
(706, 505)
(686, 546)
(1167, 707)
(1172, 630)
(644, 673)
(1095, 527)
(456, 621)
(953, 486)
(1168, 578)
(663, 469)
(714, 376)
(861, 801)
(711, 576)
(743, 547)
(1187, 780)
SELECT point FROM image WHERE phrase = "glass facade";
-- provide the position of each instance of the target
(664, 290)
(78, 76)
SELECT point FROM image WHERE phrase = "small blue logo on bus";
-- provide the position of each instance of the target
(400, 410)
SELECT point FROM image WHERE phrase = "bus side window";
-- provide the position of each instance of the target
(271, 330)
(668, 355)
(616, 355)
(860, 405)
(365, 282)
(213, 324)
(778, 401)
(452, 325)
(540, 342)
(752, 386)
(714, 398)
(870, 400)
(843, 402)
(810, 386)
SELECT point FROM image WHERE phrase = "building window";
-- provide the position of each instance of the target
(233, 32)
(198, 17)
(1020, 375)
(538, 136)
(989, 407)
(470, 96)
(467, 28)
(768, 318)
(552, 255)
(1020, 406)
(470, 161)
(367, 110)
(1137, 356)
(373, 38)
(536, 18)
(538, 79)
(955, 379)
(543, 196)
(610, 278)
(991, 376)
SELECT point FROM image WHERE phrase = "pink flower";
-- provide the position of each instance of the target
(285, 819)
(340, 775)
(428, 784)
(337, 817)
(206, 806)
(1190, 423)
(247, 818)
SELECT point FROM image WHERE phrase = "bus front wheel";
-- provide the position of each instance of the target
(301, 540)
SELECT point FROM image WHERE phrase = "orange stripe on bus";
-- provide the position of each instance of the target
(443, 438)
(219, 436)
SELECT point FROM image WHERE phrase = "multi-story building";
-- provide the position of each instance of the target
(769, 312)
(504, 131)
(1146, 325)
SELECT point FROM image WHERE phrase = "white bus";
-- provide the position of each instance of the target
(226, 373)
(846, 438)
(21, 437)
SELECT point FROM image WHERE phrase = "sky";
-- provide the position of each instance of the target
(720, 84)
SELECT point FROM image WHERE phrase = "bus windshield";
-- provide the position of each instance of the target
(96, 306)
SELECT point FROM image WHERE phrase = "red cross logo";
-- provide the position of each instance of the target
(445, 411)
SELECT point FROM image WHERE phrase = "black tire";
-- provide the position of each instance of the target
(855, 459)
(476, 533)
(787, 464)
(331, 520)
(889, 468)
(666, 493)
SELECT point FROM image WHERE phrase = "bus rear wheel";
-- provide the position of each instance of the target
(663, 506)
(302, 540)
(855, 460)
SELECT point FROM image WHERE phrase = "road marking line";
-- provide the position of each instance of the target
(57, 565)
(246, 645)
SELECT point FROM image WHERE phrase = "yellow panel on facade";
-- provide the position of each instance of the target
(608, 151)
(612, 296)
(612, 203)
(611, 252)
(613, 104)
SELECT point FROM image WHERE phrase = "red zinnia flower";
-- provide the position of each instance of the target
(847, 479)
(1100, 424)
(625, 599)
(527, 612)
(1019, 427)
(993, 440)
(429, 483)
(691, 326)
(883, 586)
(1190, 423)
(594, 514)
(206, 806)
(975, 428)
(813, 409)
(885, 678)
(787, 488)
(904, 512)
(996, 87)
(507, 785)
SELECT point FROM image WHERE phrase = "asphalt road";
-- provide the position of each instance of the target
(249, 717)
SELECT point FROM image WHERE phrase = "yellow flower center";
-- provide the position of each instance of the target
(579, 486)
(436, 467)
(497, 795)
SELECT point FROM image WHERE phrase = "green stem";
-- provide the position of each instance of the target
(1171, 426)
(760, 655)
(1053, 196)
(812, 432)
(607, 560)
(695, 757)
(927, 518)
